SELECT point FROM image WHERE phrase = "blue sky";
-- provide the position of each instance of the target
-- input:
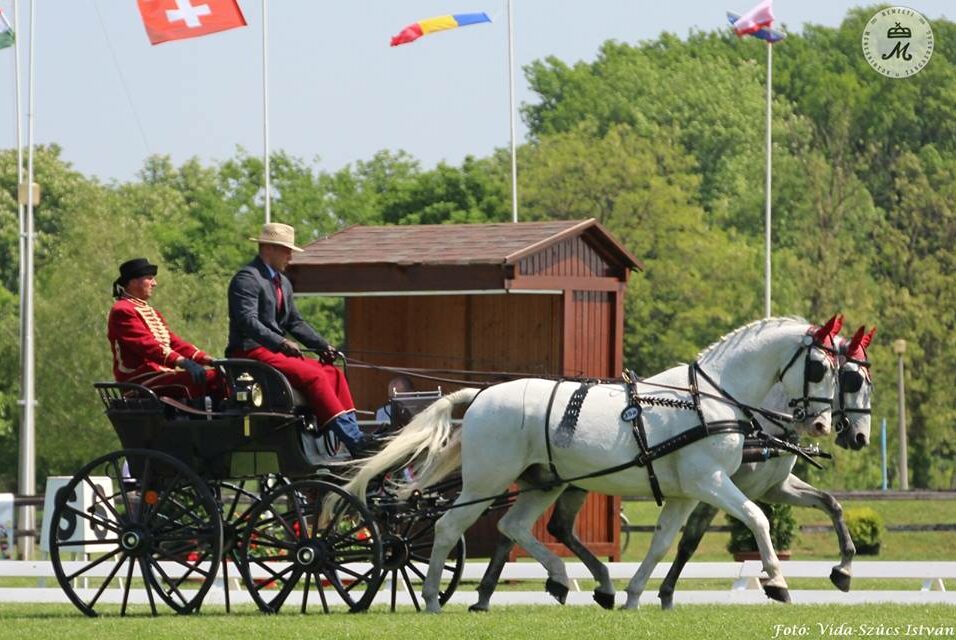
(338, 92)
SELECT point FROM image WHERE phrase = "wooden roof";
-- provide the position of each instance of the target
(457, 257)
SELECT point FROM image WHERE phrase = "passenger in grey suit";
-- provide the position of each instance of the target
(262, 313)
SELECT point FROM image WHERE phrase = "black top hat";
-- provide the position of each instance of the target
(135, 268)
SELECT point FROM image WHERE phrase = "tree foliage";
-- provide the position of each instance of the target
(661, 141)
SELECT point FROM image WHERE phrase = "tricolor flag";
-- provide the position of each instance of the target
(415, 31)
(7, 36)
(756, 23)
(178, 19)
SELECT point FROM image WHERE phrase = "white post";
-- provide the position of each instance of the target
(265, 108)
(899, 348)
(27, 467)
(767, 217)
(511, 116)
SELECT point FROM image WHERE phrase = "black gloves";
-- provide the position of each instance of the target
(196, 370)
(329, 355)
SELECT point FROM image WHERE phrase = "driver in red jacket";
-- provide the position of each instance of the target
(145, 351)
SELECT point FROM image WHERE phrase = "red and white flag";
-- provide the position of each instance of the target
(756, 19)
(178, 19)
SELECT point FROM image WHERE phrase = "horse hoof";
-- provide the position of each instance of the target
(556, 589)
(840, 579)
(478, 608)
(780, 594)
(667, 601)
(606, 600)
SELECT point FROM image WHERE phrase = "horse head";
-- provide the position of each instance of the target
(809, 378)
(855, 391)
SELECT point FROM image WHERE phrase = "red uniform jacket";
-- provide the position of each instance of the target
(142, 343)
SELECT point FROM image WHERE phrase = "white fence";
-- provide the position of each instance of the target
(743, 585)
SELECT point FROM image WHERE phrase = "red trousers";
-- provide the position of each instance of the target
(324, 385)
(179, 384)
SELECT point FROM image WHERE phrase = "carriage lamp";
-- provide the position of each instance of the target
(243, 383)
(256, 393)
(248, 390)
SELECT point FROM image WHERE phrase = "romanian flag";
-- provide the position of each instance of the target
(6, 32)
(415, 31)
(756, 23)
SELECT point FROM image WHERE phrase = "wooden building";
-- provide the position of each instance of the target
(538, 298)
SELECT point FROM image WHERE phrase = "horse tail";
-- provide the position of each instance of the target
(427, 442)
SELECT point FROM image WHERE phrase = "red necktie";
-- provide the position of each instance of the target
(277, 281)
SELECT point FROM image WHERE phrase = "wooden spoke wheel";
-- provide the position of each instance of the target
(311, 543)
(236, 501)
(144, 527)
(408, 543)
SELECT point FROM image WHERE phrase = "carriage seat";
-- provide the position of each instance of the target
(404, 405)
(299, 399)
(126, 397)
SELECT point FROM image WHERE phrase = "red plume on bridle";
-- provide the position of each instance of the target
(825, 334)
(856, 350)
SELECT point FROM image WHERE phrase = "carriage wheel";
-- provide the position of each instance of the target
(236, 502)
(299, 545)
(154, 536)
(407, 547)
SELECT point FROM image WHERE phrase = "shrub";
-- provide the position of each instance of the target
(782, 529)
(866, 529)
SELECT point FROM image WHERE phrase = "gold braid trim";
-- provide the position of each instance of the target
(156, 326)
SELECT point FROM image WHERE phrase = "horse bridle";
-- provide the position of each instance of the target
(850, 382)
(813, 371)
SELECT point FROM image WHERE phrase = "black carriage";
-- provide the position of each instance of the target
(204, 488)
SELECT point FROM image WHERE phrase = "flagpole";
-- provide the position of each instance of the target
(27, 465)
(265, 108)
(26, 513)
(21, 213)
(511, 116)
(767, 216)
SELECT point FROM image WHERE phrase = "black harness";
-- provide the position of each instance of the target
(569, 422)
(634, 414)
(851, 382)
(813, 371)
(765, 446)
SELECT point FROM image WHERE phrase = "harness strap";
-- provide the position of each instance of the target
(690, 436)
(565, 431)
(782, 445)
(547, 429)
(640, 435)
(696, 370)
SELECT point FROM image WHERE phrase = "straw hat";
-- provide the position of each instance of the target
(277, 233)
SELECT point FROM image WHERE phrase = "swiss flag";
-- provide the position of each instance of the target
(178, 19)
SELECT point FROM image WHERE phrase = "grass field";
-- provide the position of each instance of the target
(56, 622)
(61, 622)
(921, 545)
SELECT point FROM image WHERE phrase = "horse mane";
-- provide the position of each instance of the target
(743, 331)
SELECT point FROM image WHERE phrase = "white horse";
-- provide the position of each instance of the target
(503, 438)
(769, 480)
